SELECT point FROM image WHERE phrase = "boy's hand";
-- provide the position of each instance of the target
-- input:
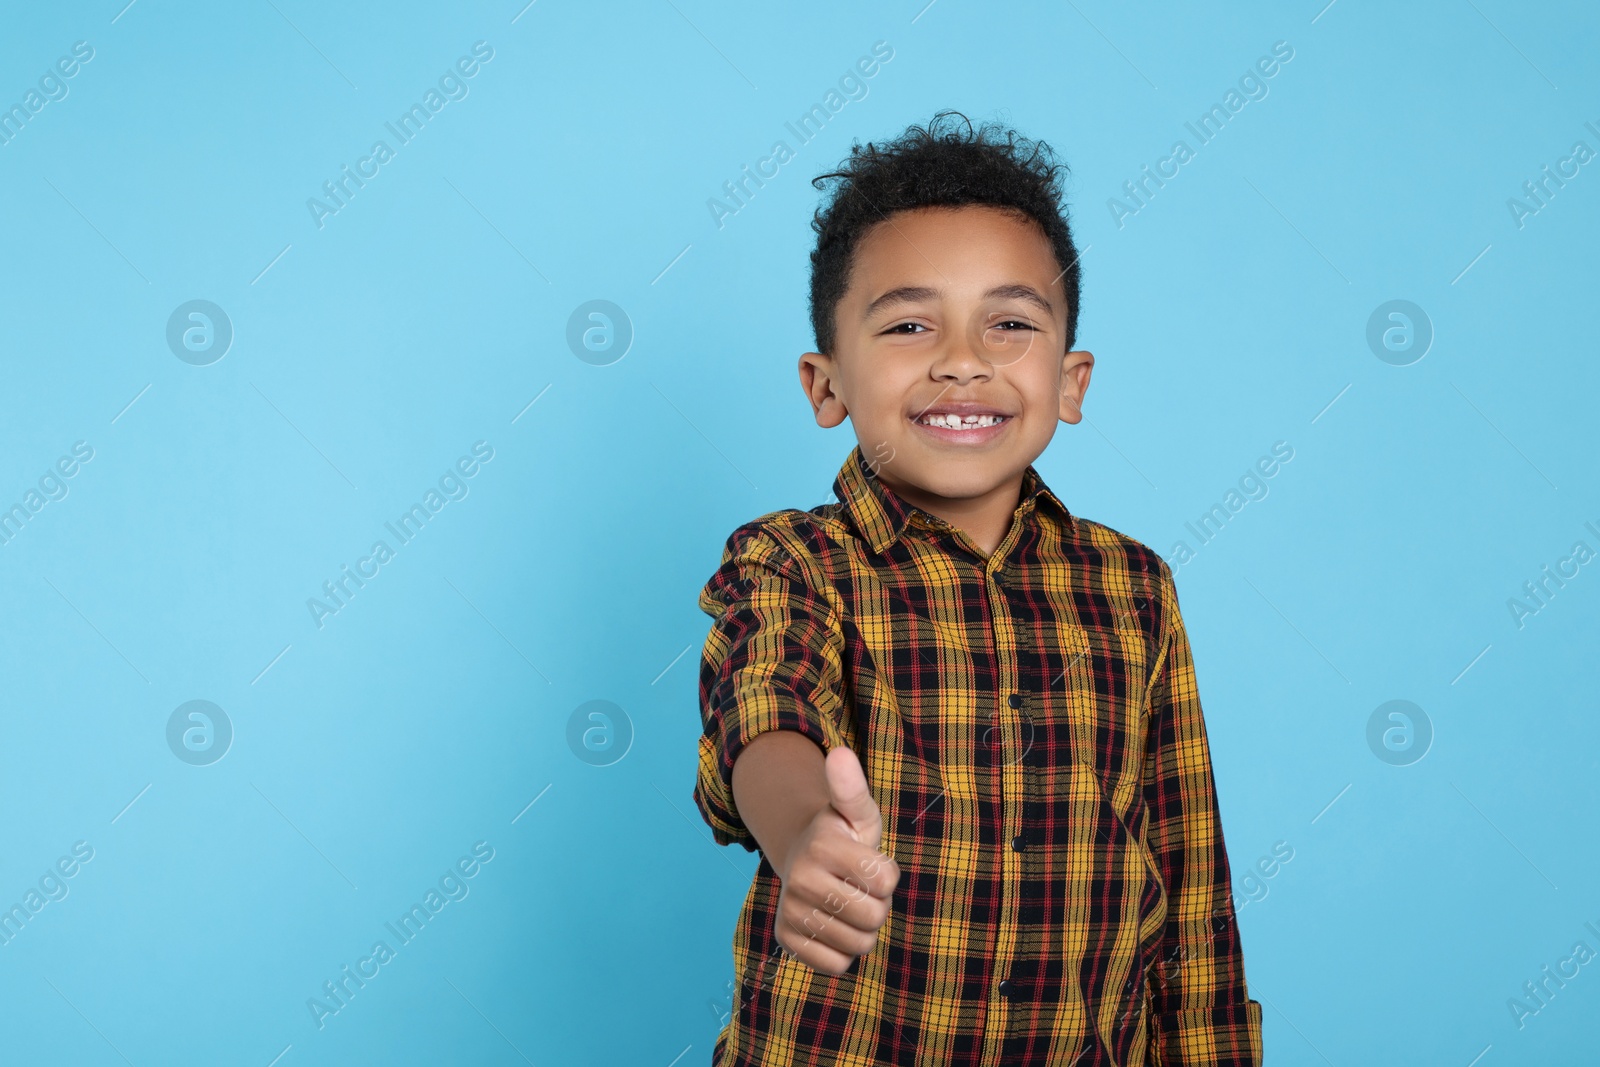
(837, 887)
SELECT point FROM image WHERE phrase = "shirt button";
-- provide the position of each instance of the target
(1019, 843)
(1015, 700)
(1007, 990)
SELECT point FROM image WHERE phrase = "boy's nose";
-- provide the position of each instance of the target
(963, 357)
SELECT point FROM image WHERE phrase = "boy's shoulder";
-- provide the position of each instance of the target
(790, 536)
(1112, 547)
(800, 536)
(819, 555)
(789, 544)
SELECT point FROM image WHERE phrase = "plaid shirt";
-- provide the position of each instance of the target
(1030, 728)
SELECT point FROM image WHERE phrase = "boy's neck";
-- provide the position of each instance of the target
(984, 519)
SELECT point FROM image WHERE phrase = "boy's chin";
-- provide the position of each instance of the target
(946, 477)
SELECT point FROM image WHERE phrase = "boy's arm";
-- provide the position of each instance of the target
(771, 663)
(1200, 1010)
(780, 785)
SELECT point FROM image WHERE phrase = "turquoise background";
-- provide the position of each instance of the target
(432, 711)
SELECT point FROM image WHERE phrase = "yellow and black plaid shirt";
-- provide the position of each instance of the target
(1030, 727)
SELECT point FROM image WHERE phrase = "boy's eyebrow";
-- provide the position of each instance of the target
(907, 294)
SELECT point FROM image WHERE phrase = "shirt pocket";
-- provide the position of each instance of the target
(1105, 687)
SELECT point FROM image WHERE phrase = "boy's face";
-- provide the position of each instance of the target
(951, 310)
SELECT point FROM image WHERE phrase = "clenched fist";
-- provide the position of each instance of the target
(835, 893)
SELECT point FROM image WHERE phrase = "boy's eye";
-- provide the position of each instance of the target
(1006, 325)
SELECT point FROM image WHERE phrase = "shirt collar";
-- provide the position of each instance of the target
(880, 515)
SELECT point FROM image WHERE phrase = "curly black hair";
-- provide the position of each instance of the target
(933, 166)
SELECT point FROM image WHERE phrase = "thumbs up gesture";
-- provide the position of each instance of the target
(837, 888)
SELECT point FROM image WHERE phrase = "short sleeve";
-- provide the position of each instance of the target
(771, 662)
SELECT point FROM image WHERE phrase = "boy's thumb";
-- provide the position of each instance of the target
(849, 796)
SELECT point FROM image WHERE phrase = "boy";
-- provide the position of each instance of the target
(1011, 852)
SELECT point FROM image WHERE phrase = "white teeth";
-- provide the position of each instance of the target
(956, 422)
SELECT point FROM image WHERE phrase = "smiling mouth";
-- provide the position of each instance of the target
(962, 431)
(961, 422)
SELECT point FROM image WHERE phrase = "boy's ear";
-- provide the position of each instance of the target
(1075, 370)
(817, 379)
